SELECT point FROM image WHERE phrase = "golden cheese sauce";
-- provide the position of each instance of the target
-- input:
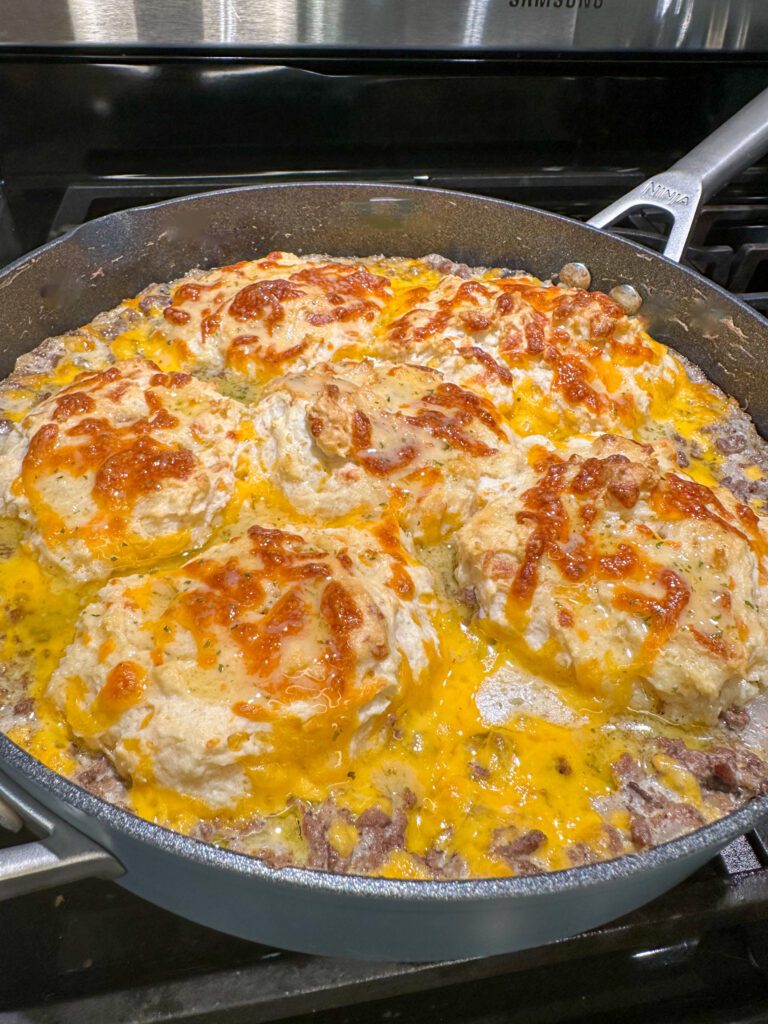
(469, 778)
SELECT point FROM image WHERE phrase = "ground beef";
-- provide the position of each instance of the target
(204, 830)
(746, 490)
(101, 779)
(610, 844)
(445, 266)
(736, 435)
(654, 816)
(272, 858)
(730, 441)
(515, 847)
(315, 822)
(685, 449)
(446, 865)
(736, 438)
(735, 719)
(661, 824)
(527, 843)
(681, 450)
(379, 835)
(114, 322)
(580, 854)
(41, 359)
(24, 707)
(613, 839)
(735, 771)
(524, 866)
(235, 836)
(156, 296)
(627, 770)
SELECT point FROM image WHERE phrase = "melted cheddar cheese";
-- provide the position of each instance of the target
(124, 466)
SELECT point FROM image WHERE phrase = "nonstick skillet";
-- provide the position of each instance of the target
(67, 282)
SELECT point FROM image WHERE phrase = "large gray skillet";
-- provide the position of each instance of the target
(66, 283)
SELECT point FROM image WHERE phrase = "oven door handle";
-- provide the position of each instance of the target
(63, 854)
(680, 191)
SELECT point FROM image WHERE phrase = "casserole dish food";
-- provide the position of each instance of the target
(386, 566)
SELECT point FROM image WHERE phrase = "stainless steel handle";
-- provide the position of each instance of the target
(681, 190)
(63, 855)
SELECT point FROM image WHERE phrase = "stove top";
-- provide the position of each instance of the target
(96, 132)
(95, 953)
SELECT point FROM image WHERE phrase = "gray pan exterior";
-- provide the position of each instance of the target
(69, 281)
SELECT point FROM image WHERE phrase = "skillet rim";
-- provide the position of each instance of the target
(125, 823)
(588, 876)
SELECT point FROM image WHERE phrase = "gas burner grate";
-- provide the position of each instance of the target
(729, 245)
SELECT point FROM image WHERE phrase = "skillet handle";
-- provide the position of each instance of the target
(62, 855)
(682, 189)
